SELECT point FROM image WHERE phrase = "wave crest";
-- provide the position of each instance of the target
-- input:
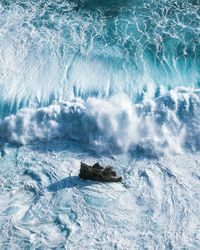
(166, 124)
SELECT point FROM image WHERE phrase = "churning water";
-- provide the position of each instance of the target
(110, 81)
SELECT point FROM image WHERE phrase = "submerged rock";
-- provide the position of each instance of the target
(98, 173)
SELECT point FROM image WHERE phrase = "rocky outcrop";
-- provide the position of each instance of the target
(98, 173)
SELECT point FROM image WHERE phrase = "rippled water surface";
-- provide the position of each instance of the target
(64, 49)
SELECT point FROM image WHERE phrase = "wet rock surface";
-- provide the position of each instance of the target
(98, 173)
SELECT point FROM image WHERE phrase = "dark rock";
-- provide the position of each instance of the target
(98, 173)
(97, 166)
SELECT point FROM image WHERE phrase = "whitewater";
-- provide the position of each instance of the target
(115, 82)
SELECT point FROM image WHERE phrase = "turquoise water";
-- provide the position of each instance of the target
(110, 81)
(64, 49)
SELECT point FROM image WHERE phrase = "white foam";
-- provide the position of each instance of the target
(156, 126)
(47, 55)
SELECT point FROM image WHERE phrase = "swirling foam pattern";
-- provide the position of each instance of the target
(62, 49)
(99, 80)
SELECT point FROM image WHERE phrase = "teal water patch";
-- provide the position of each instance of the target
(53, 50)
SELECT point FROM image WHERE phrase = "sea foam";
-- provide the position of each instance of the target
(165, 124)
(60, 50)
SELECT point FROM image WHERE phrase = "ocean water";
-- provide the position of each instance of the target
(115, 82)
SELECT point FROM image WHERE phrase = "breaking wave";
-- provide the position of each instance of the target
(60, 50)
(105, 74)
(166, 124)
(113, 81)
